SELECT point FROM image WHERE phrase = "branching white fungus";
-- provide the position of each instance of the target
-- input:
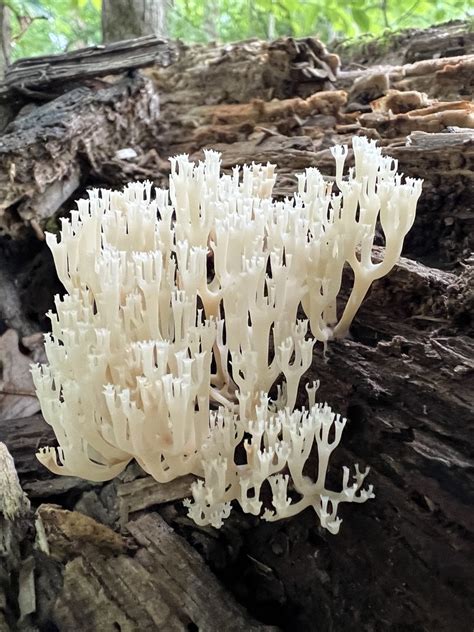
(181, 315)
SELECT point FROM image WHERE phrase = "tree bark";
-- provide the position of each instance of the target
(127, 19)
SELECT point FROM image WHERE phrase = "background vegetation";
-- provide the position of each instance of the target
(52, 26)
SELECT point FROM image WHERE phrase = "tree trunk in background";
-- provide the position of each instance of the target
(127, 19)
(4, 39)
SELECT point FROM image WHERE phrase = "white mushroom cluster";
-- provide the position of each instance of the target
(182, 315)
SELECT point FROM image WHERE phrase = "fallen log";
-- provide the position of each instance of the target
(403, 378)
(443, 231)
(45, 154)
(152, 580)
(255, 107)
(49, 150)
(450, 39)
(52, 72)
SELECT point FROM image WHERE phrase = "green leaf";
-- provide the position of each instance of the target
(361, 19)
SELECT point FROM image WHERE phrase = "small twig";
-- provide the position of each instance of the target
(25, 21)
(4, 391)
(37, 229)
(431, 319)
(407, 13)
(383, 6)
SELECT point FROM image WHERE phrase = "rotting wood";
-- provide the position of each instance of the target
(24, 437)
(450, 39)
(409, 403)
(48, 150)
(404, 377)
(255, 107)
(44, 154)
(445, 216)
(447, 168)
(52, 72)
(152, 580)
(405, 383)
(145, 492)
(431, 119)
(14, 514)
(410, 292)
(445, 78)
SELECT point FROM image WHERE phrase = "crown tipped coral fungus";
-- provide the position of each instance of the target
(181, 314)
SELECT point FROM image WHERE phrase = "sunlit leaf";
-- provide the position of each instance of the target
(361, 19)
(74, 23)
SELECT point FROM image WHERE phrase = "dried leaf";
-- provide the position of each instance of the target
(17, 394)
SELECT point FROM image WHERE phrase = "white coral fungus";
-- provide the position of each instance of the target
(181, 314)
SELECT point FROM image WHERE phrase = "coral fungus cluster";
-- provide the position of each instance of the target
(182, 315)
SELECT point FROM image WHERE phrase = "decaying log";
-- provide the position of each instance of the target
(152, 580)
(410, 45)
(447, 168)
(145, 492)
(23, 437)
(240, 72)
(431, 119)
(431, 297)
(55, 72)
(263, 101)
(44, 153)
(404, 377)
(443, 231)
(447, 40)
(111, 503)
(448, 78)
(410, 416)
(43, 78)
(51, 149)
(295, 131)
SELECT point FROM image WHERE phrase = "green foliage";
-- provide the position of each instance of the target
(51, 26)
(228, 20)
(40, 27)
